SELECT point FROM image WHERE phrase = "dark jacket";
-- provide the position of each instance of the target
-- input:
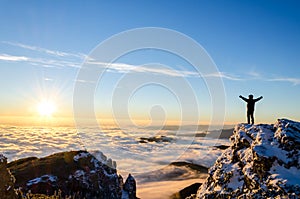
(250, 103)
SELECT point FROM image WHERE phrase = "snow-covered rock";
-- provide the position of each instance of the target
(75, 173)
(263, 161)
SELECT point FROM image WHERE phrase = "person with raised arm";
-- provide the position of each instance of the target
(250, 107)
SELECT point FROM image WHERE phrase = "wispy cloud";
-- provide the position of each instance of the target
(60, 59)
(111, 67)
(254, 74)
(224, 75)
(48, 79)
(43, 62)
(6, 57)
(44, 57)
(124, 68)
(294, 81)
(85, 81)
(47, 51)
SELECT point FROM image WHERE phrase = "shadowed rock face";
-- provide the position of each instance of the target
(186, 192)
(263, 161)
(6, 181)
(77, 173)
(129, 188)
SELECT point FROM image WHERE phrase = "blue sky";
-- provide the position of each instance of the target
(255, 45)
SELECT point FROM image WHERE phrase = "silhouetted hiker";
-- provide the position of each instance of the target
(250, 106)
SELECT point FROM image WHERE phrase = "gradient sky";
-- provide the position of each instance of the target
(255, 45)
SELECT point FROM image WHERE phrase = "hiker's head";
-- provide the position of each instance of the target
(250, 96)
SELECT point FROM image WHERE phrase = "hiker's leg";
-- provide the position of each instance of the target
(252, 118)
(248, 117)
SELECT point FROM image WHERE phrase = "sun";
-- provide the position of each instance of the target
(46, 108)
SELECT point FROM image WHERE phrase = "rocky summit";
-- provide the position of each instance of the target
(75, 174)
(263, 161)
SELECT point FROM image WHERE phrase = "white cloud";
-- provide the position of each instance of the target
(224, 75)
(294, 81)
(85, 81)
(74, 60)
(259, 76)
(47, 51)
(254, 74)
(51, 58)
(48, 79)
(6, 57)
(43, 62)
(125, 68)
(111, 67)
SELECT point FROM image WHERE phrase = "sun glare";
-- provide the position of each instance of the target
(46, 108)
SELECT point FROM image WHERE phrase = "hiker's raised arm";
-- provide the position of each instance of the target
(243, 98)
(259, 98)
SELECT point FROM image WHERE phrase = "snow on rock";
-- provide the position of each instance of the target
(263, 161)
(75, 173)
(44, 178)
(103, 159)
(80, 155)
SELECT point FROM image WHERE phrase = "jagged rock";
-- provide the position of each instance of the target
(129, 188)
(263, 161)
(186, 192)
(77, 173)
(6, 181)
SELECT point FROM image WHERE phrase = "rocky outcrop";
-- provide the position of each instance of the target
(263, 161)
(186, 192)
(77, 174)
(6, 181)
(129, 188)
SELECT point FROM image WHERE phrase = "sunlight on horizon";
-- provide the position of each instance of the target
(46, 108)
